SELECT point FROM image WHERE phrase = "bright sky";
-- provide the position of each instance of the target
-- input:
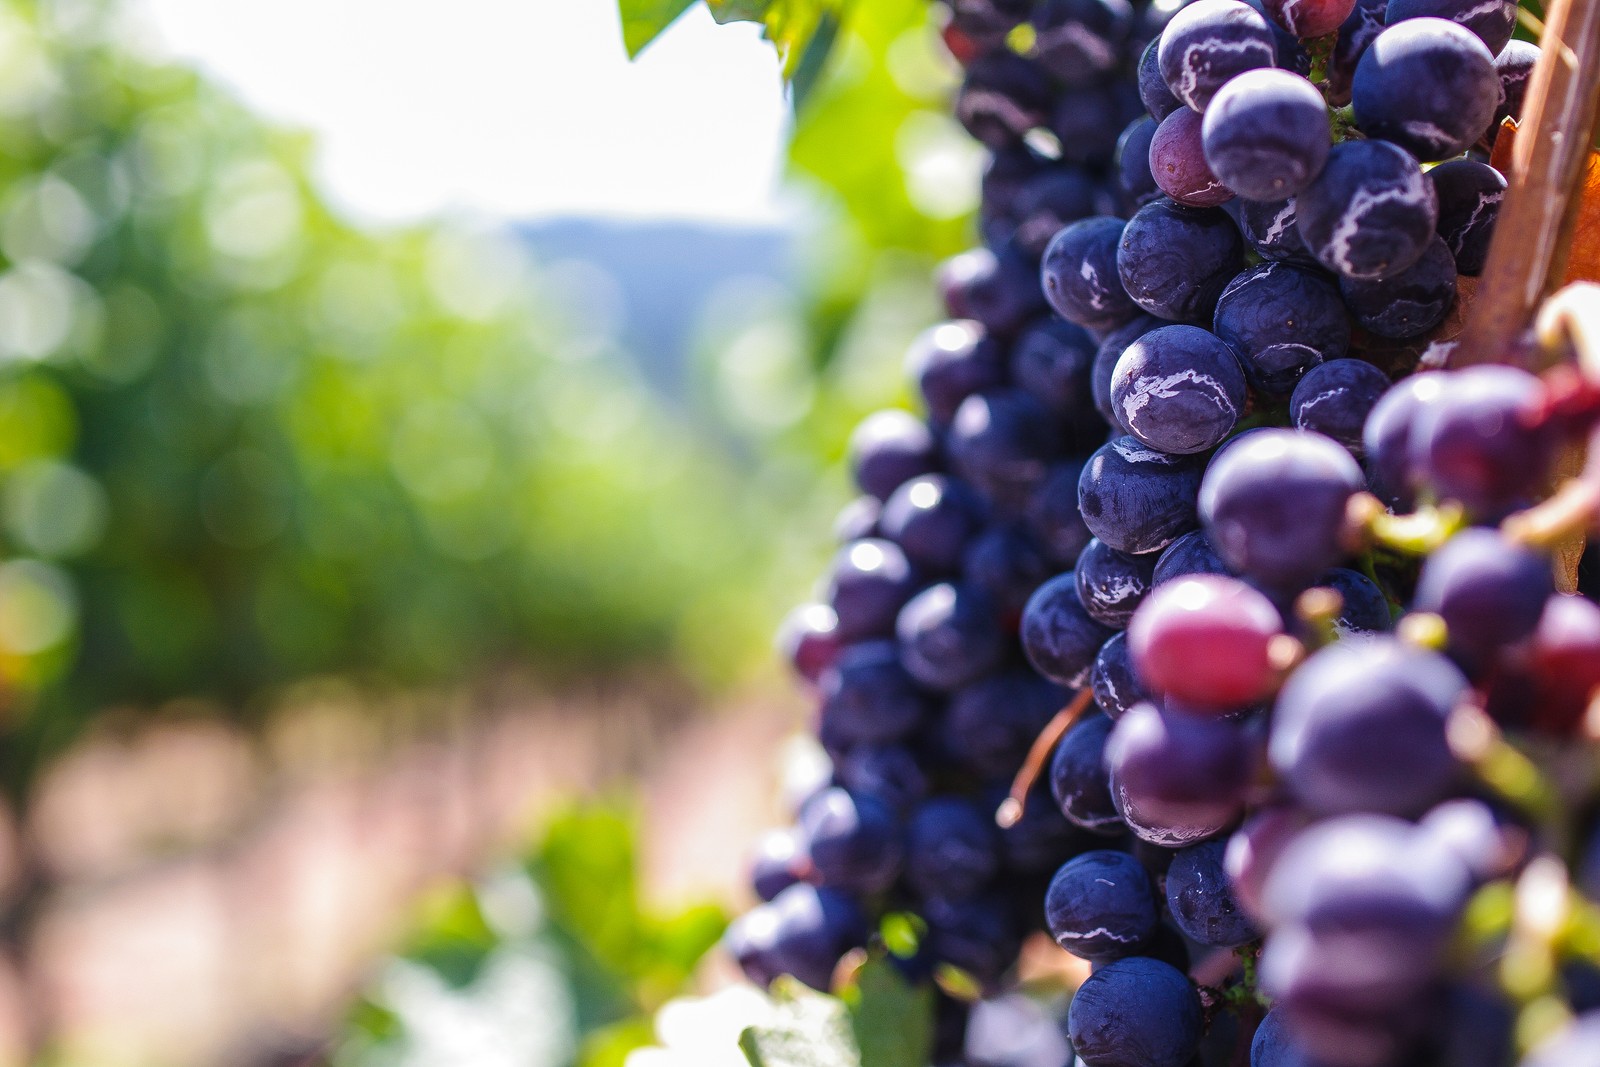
(507, 108)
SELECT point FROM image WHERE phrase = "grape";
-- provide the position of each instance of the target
(1364, 609)
(1389, 437)
(952, 849)
(1282, 320)
(1005, 562)
(1428, 85)
(1116, 686)
(1292, 55)
(888, 448)
(869, 697)
(1080, 41)
(1178, 389)
(1309, 18)
(988, 20)
(977, 935)
(932, 518)
(999, 288)
(1177, 778)
(1136, 1012)
(951, 361)
(1053, 518)
(776, 864)
(1274, 1047)
(991, 723)
(1489, 591)
(1153, 92)
(1370, 213)
(1356, 34)
(949, 636)
(1512, 66)
(1270, 231)
(1202, 901)
(1266, 134)
(1087, 122)
(1566, 661)
(1051, 200)
(858, 520)
(1137, 499)
(1407, 303)
(1078, 778)
(1207, 43)
(1006, 173)
(1335, 399)
(1491, 21)
(1135, 181)
(1479, 443)
(1002, 441)
(868, 583)
(853, 842)
(1471, 832)
(803, 932)
(1347, 695)
(1101, 905)
(1052, 361)
(1178, 162)
(1469, 195)
(1003, 97)
(809, 641)
(1059, 637)
(1254, 848)
(1189, 554)
(1203, 640)
(1478, 1029)
(1274, 505)
(1111, 348)
(1079, 274)
(1174, 261)
(1040, 842)
(1111, 583)
(889, 774)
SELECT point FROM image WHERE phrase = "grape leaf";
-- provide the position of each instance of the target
(808, 1030)
(891, 1018)
(644, 20)
(1583, 261)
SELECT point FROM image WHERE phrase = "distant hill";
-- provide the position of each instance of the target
(666, 271)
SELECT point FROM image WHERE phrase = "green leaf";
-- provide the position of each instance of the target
(809, 1030)
(644, 20)
(726, 11)
(892, 1020)
(814, 58)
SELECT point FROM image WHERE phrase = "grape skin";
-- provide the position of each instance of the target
(1203, 640)
(1207, 43)
(1136, 1012)
(1176, 778)
(1427, 85)
(1078, 779)
(1116, 687)
(1178, 162)
(1101, 905)
(1491, 21)
(1059, 637)
(1370, 213)
(1477, 444)
(803, 932)
(1201, 899)
(1110, 583)
(888, 448)
(1174, 261)
(869, 697)
(853, 842)
(1079, 274)
(1335, 399)
(1266, 134)
(1490, 593)
(1270, 231)
(1309, 18)
(1282, 320)
(948, 636)
(952, 849)
(1407, 303)
(1469, 195)
(1135, 181)
(1178, 389)
(1137, 499)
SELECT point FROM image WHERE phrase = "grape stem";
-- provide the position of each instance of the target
(1477, 741)
(1012, 808)
(1368, 522)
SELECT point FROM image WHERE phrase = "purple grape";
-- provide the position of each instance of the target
(1178, 162)
(1174, 261)
(1136, 185)
(1274, 505)
(1389, 437)
(1051, 200)
(1469, 202)
(1177, 779)
(1201, 899)
(932, 518)
(1282, 320)
(1041, 841)
(1479, 443)
(1078, 778)
(951, 361)
(1471, 831)
(1512, 66)
(1306, 19)
(1053, 518)
(868, 583)
(809, 638)
(1363, 607)
(952, 849)
(1190, 554)
(804, 932)
(1347, 694)
(1136, 1012)
(949, 636)
(1137, 499)
(1101, 905)
(1111, 583)
(1266, 134)
(890, 447)
(1491, 21)
(1052, 360)
(1003, 97)
(1255, 847)
(858, 520)
(978, 934)
(1007, 564)
(1207, 43)
(991, 723)
(1059, 637)
(1407, 303)
(1079, 274)
(1356, 34)
(1153, 92)
(999, 288)
(776, 864)
(1002, 441)
(1370, 213)
(1087, 122)
(1080, 41)
(853, 842)
(1105, 362)
(869, 697)
(1489, 591)
(1428, 85)
(1116, 685)
(1179, 389)
(890, 774)
(1270, 231)
(1334, 399)
(1273, 1045)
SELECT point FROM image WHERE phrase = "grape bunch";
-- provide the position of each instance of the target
(1201, 574)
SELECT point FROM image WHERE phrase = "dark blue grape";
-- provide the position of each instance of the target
(1003, 441)
(1491, 21)
(1489, 591)
(857, 520)
(1406, 303)
(951, 361)
(1003, 97)
(1080, 41)
(1292, 55)
(1111, 583)
(1105, 362)
(999, 288)
(1116, 685)
(1087, 122)
(1173, 261)
(1007, 564)
(1207, 43)
(1059, 637)
(949, 635)
(932, 518)
(1469, 195)
(1273, 1045)
(1356, 33)
(1479, 443)
(1282, 320)
(991, 724)
(868, 583)
(1052, 200)
(1335, 400)
(1079, 780)
(1429, 86)
(803, 932)
(1176, 778)
(1334, 708)
(952, 849)
(1040, 842)
(1153, 92)
(1179, 389)
(1274, 505)
(1513, 65)
(868, 697)
(1390, 441)
(1370, 213)
(1053, 517)
(1270, 231)
(1190, 554)
(890, 774)
(890, 447)
(1137, 499)
(1052, 360)
(776, 864)
(1079, 274)
(988, 21)
(1201, 899)
(809, 637)
(1135, 182)
(854, 842)
(1006, 173)
(1266, 134)
(1101, 905)
(1136, 1012)
(978, 935)
(1363, 607)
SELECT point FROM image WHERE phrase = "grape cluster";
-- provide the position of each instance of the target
(1187, 519)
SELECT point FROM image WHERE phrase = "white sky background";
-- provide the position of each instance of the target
(511, 109)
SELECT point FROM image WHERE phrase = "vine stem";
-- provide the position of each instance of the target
(1016, 803)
